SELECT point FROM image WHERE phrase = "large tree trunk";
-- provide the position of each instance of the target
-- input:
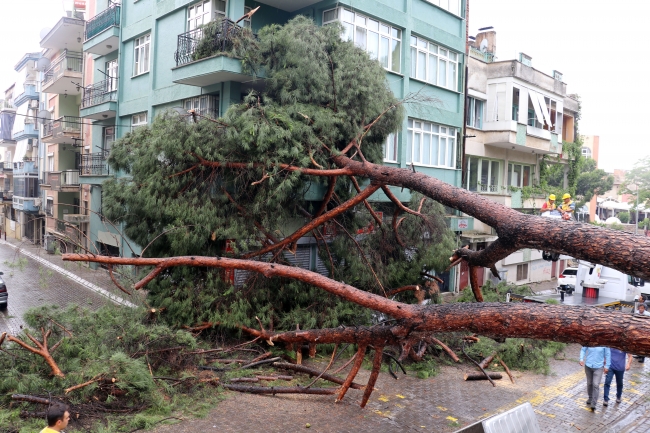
(623, 251)
(588, 326)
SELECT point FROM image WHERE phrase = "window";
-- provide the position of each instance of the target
(139, 119)
(522, 272)
(247, 21)
(430, 144)
(201, 13)
(381, 41)
(390, 148)
(108, 137)
(586, 152)
(483, 175)
(452, 6)
(520, 175)
(475, 113)
(515, 104)
(49, 206)
(50, 162)
(141, 55)
(205, 105)
(111, 76)
(434, 64)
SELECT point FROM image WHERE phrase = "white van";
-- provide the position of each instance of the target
(612, 283)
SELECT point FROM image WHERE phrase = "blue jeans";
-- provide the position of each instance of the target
(619, 383)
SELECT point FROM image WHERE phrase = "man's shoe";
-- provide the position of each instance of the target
(618, 400)
(588, 403)
(605, 403)
(593, 409)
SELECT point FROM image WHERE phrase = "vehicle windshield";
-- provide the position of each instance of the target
(570, 272)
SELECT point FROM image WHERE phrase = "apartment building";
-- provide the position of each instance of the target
(516, 116)
(7, 147)
(146, 62)
(62, 68)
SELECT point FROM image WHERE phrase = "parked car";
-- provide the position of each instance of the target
(567, 278)
(4, 296)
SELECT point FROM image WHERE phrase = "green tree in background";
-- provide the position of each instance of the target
(319, 92)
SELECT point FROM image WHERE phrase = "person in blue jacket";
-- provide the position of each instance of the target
(620, 364)
(595, 360)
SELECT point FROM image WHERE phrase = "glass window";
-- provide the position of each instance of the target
(141, 55)
(139, 119)
(381, 41)
(520, 175)
(429, 144)
(429, 63)
(475, 112)
(390, 148)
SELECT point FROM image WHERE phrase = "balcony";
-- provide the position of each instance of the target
(99, 100)
(94, 168)
(64, 35)
(64, 129)
(66, 180)
(29, 131)
(63, 71)
(102, 34)
(30, 93)
(509, 134)
(27, 204)
(200, 59)
(480, 55)
(76, 218)
(6, 167)
(25, 167)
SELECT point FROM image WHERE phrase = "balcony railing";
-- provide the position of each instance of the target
(58, 179)
(192, 45)
(94, 164)
(67, 61)
(103, 20)
(65, 124)
(478, 54)
(98, 93)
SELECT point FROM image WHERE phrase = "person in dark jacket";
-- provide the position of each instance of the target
(619, 364)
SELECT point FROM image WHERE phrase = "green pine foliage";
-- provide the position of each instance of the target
(320, 92)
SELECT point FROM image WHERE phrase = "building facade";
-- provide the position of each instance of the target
(145, 62)
(517, 117)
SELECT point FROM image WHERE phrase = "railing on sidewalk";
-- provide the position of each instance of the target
(99, 92)
(224, 33)
(94, 164)
(67, 61)
(103, 20)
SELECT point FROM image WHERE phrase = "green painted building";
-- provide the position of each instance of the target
(145, 63)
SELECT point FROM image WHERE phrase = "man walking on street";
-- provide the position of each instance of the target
(594, 359)
(620, 363)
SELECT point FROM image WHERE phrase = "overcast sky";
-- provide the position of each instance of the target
(597, 44)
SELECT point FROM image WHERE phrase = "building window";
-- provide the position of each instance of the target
(139, 119)
(483, 175)
(111, 76)
(49, 206)
(434, 64)
(381, 41)
(203, 12)
(520, 175)
(522, 272)
(430, 145)
(390, 148)
(586, 152)
(247, 21)
(108, 137)
(515, 104)
(141, 55)
(475, 113)
(50, 162)
(452, 6)
(204, 105)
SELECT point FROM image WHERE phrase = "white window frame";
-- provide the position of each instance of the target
(425, 54)
(389, 38)
(519, 183)
(439, 136)
(138, 119)
(472, 112)
(484, 187)
(248, 21)
(205, 105)
(108, 137)
(391, 148)
(141, 54)
(452, 6)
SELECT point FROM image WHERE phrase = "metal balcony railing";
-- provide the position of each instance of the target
(67, 61)
(478, 54)
(65, 124)
(58, 179)
(222, 33)
(94, 164)
(98, 93)
(103, 20)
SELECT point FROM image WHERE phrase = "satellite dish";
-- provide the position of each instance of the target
(44, 32)
(44, 116)
(43, 64)
(484, 44)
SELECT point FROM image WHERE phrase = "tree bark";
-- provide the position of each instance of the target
(486, 362)
(481, 376)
